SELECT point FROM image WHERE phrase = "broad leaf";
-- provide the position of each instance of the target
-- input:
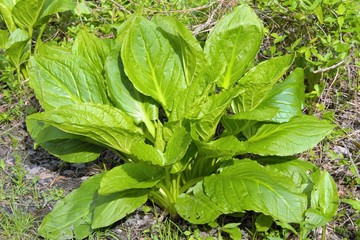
(296, 169)
(196, 207)
(103, 124)
(258, 114)
(287, 96)
(148, 153)
(69, 80)
(123, 94)
(111, 208)
(248, 186)
(5, 9)
(30, 13)
(177, 146)
(233, 44)
(67, 147)
(185, 44)
(151, 63)
(130, 176)
(259, 81)
(293, 137)
(324, 196)
(51, 49)
(212, 111)
(92, 48)
(71, 216)
(226, 147)
(18, 52)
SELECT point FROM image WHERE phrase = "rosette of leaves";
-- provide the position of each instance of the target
(185, 120)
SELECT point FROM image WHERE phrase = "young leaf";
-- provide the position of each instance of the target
(177, 146)
(130, 176)
(123, 94)
(259, 81)
(324, 196)
(196, 207)
(212, 111)
(71, 216)
(248, 186)
(148, 153)
(70, 80)
(151, 63)
(232, 45)
(225, 147)
(111, 208)
(285, 139)
(105, 125)
(67, 147)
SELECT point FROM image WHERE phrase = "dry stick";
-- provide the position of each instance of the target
(335, 65)
(201, 27)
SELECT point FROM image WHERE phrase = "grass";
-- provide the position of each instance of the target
(333, 93)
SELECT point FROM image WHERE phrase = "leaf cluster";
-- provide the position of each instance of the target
(201, 130)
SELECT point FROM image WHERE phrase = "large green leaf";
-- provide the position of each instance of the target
(105, 125)
(111, 208)
(5, 9)
(185, 44)
(151, 63)
(91, 48)
(130, 176)
(196, 207)
(287, 96)
(298, 135)
(67, 147)
(71, 216)
(259, 81)
(248, 186)
(30, 13)
(123, 94)
(233, 44)
(63, 81)
(296, 169)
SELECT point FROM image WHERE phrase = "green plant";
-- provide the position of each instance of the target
(202, 132)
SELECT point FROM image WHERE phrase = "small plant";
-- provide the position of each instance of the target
(202, 132)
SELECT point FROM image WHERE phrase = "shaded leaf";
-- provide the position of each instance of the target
(196, 207)
(103, 124)
(67, 147)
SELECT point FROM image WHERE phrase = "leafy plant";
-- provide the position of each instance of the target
(202, 132)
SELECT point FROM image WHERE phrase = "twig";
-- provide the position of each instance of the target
(335, 65)
(201, 27)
